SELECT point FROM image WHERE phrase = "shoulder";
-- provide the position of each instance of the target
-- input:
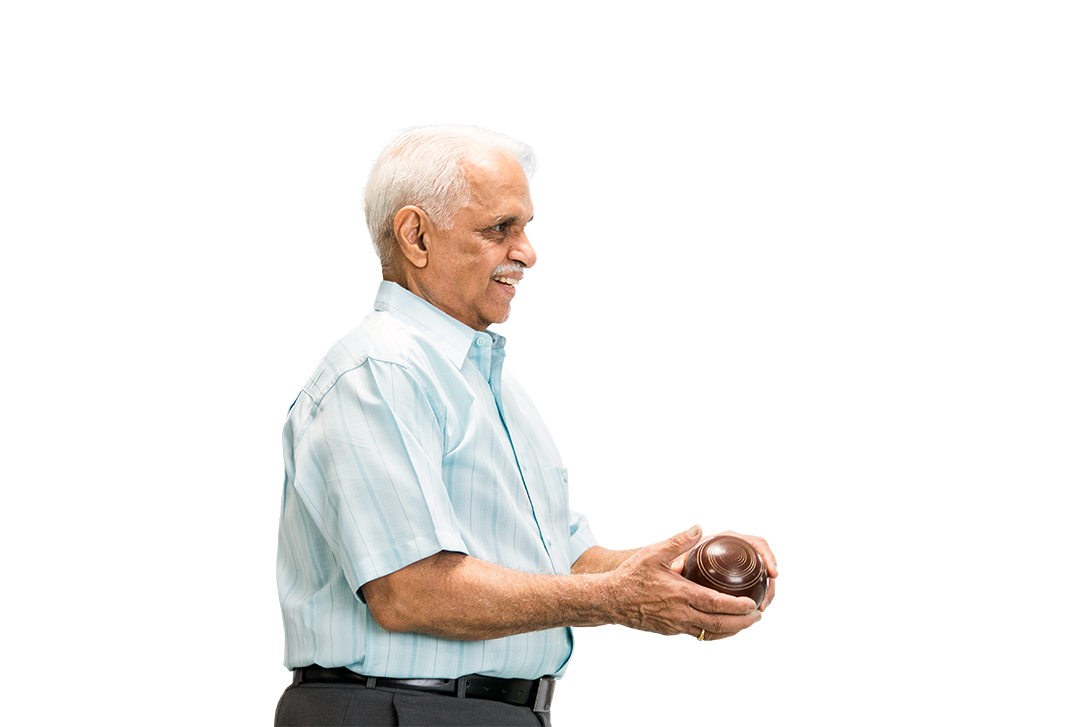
(380, 337)
(384, 350)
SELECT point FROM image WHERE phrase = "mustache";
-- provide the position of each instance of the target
(508, 268)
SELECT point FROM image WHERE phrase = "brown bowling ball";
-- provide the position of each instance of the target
(729, 565)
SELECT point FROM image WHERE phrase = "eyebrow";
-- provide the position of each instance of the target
(503, 219)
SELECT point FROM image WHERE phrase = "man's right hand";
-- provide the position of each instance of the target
(650, 596)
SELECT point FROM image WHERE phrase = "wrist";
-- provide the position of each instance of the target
(602, 597)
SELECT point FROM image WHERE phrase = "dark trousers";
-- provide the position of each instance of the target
(327, 705)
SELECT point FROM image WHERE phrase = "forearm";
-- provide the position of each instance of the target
(454, 596)
(597, 559)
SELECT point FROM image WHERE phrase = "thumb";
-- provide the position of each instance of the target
(681, 543)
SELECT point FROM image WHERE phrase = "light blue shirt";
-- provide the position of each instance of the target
(410, 439)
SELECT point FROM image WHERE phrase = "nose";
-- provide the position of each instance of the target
(522, 251)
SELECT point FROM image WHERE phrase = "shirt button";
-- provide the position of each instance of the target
(482, 341)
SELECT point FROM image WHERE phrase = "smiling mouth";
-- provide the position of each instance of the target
(506, 281)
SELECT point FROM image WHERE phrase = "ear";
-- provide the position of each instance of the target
(412, 231)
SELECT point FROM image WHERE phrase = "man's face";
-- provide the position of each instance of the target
(474, 266)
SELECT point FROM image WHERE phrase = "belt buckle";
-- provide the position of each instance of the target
(543, 697)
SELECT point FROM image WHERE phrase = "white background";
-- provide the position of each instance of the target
(934, 327)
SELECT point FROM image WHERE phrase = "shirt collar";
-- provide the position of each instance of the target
(451, 336)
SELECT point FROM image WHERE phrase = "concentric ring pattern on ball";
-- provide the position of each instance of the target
(729, 565)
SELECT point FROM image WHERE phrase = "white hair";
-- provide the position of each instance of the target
(425, 166)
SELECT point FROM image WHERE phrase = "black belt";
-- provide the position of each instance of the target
(536, 693)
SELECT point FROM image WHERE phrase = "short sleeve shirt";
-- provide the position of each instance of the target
(410, 439)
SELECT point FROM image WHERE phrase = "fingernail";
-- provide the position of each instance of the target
(693, 531)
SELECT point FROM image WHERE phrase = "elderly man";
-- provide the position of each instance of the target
(429, 567)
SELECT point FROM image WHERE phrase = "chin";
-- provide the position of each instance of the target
(497, 317)
(492, 320)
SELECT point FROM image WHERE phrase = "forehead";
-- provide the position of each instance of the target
(497, 186)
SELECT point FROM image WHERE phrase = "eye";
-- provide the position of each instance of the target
(500, 228)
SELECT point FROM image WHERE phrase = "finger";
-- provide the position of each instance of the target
(767, 597)
(696, 631)
(712, 602)
(766, 554)
(725, 627)
(679, 562)
(679, 544)
(769, 594)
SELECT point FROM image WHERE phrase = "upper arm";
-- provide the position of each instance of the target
(393, 598)
(369, 471)
(407, 598)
